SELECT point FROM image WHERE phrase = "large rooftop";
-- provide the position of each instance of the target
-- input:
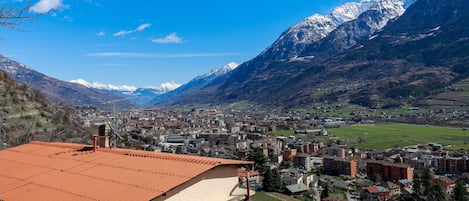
(64, 171)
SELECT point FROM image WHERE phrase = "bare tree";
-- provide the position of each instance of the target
(13, 13)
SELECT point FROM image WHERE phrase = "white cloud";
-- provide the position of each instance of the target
(68, 18)
(44, 6)
(143, 27)
(156, 55)
(101, 33)
(171, 38)
(138, 29)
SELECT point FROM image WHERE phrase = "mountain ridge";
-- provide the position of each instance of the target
(381, 61)
(59, 91)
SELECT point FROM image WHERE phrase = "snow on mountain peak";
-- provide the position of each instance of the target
(219, 71)
(230, 66)
(166, 86)
(350, 11)
(98, 85)
(12, 67)
(162, 88)
(317, 27)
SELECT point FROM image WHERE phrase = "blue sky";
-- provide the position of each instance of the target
(149, 42)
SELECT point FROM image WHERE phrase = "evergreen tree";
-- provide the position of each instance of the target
(417, 186)
(268, 180)
(259, 160)
(427, 181)
(437, 192)
(460, 193)
(278, 184)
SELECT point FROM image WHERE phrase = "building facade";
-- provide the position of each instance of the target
(385, 171)
(339, 166)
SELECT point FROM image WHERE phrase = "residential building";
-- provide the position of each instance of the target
(66, 171)
(385, 171)
(254, 178)
(339, 166)
(302, 161)
(451, 165)
(374, 193)
(288, 154)
(336, 152)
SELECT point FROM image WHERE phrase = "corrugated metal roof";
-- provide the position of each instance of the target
(63, 171)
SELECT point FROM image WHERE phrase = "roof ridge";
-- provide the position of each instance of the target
(139, 153)
(59, 144)
(164, 156)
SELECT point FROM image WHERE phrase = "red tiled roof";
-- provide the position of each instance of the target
(60, 171)
(242, 172)
(372, 189)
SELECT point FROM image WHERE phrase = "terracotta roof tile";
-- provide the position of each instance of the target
(372, 189)
(63, 171)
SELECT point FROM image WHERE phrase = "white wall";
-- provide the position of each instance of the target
(215, 184)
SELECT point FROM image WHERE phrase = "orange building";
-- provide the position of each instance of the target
(65, 171)
(288, 154)
(338, 166)
(385, 171)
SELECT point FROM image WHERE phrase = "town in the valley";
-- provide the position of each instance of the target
(296, 155)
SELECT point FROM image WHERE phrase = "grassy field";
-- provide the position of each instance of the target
(451, 98)
(384, 136)
(261, 196)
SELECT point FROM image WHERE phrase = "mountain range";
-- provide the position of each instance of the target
(140, 96)
(195, 84)
(374, 53)
(60, 91)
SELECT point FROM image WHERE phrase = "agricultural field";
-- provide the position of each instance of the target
(455, 96)
(384, 136)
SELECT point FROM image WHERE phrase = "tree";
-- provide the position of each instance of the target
(12, 14)
(325, 192)
(460, 193)
(417, 186)
(427, 181)
(437, 192)
(285, 164)
(278, 184)
(259, 160)
(268, 180)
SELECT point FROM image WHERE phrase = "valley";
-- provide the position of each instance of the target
(369, 101)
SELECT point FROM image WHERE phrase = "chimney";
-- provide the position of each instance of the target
(95, 139)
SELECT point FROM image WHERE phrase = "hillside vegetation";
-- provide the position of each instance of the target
(25, 115)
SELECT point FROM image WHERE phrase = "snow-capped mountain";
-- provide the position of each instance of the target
(197, 83)
(57, 90)
(218, 71)
(163, 88)
(140, 96)
(348, 34)
(109, 87)
(315, 28)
